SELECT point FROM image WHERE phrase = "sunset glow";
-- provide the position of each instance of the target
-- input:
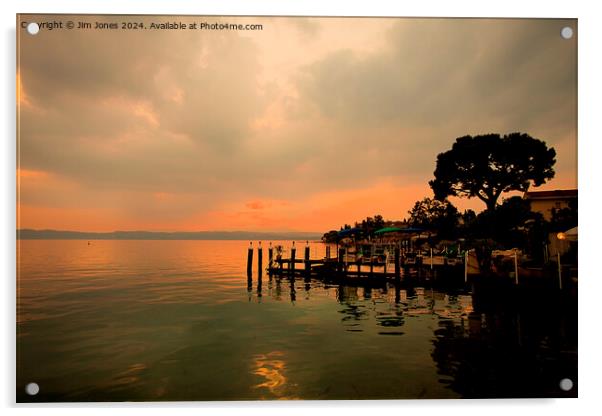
(303, 126)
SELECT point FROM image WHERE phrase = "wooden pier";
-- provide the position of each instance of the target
(394, 265)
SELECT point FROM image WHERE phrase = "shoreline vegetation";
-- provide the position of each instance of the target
(484, 167)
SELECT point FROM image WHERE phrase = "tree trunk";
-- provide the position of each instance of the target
(491, 203)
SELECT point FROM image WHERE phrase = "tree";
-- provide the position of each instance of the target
(379, 222)
(468, 217)
(370, 224)
(432, 214)
(564, 218)
(511, 224)
(331, 236)
(485, 166)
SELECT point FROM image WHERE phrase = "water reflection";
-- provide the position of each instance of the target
(518, 351)
(271, 367)
(515, 352)
(128, 377)
(292, 291)
(163, 320)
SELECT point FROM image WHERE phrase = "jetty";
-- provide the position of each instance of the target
(373, 261)
(395, 262)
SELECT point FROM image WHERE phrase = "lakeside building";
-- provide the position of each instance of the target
(546, 201)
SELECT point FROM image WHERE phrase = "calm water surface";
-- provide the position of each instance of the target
(176, 320)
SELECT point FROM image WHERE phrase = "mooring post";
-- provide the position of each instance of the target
(259, 260)
(291, 265)
(431, 258)
(515, 268)
(466, 266)
(559, 271)
(270, 256)
(250, 260)
(259, 268)
(397, 265)
(341, 257)
(307, 266)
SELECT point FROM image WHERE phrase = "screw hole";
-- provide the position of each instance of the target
(32, 389)
(566, 384)
(33, 28)
(566, 32)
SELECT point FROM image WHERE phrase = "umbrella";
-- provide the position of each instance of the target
(387, 230)
(349, 231)
(412, 230)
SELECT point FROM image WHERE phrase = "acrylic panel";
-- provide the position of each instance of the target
(307, 208)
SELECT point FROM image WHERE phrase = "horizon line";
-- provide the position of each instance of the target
(168, 232)
(35, 234)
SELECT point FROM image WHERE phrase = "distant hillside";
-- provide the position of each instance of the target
(27, 234)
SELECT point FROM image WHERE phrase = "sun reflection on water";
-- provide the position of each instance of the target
(271, 367)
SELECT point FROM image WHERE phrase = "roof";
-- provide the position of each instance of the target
(556, 194)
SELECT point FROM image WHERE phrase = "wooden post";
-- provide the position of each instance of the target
(431, 258)
(259, 260)
(559, 271)
(250, 260)
(307, 266)
(270, 260)
(345, 259)
(270, 255)
(466, 266)
(259, 268)
(292, 259)
(341, 259)
(397, 265)
(515, 268)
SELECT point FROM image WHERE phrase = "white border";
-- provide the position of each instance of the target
(590, 135)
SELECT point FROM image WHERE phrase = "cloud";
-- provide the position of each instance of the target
(439, 79)
(135, 102)
(186, 129)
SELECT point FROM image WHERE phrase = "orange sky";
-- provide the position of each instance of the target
(306, 125)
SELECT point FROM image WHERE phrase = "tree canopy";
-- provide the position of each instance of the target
(485, 166)
(366, 228)
(371, 224)
(429, 213)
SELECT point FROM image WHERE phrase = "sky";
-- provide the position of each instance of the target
(306, 125)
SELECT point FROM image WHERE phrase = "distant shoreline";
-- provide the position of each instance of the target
(29, 234)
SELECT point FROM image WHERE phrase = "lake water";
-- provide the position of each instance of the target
(176, 320)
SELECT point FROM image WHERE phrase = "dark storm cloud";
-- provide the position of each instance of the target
(449, 78)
